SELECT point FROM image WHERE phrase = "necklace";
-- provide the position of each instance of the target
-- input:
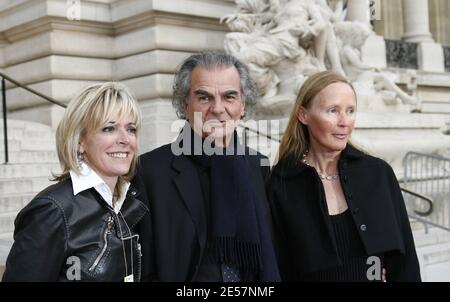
(322, 176)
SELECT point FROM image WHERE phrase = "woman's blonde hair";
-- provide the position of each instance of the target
(90, 110)
(295, 140)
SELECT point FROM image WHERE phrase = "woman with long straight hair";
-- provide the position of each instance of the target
(338, 212)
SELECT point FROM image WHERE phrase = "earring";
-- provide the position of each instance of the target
(82, 166)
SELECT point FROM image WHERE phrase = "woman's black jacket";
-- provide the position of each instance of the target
(304, 235)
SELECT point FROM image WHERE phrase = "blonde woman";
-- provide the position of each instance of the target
(86, 226)
(338, 213)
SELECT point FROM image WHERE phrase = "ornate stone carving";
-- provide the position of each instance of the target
(284, 41)
(353, 36)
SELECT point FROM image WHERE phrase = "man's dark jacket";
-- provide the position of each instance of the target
(172, 190)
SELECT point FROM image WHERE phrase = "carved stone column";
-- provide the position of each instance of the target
(358, 10)
(417, 30)
(415, 21)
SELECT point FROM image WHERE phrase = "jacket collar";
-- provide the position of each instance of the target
(133, 210)
(292, 165)
(350, 153)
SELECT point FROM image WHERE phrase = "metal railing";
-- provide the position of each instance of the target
(430, 175)
(422, 197)
(5, 78)
(427, 212)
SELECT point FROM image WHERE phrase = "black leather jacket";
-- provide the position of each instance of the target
(62, 237)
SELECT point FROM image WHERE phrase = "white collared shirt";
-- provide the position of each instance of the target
(89, 179)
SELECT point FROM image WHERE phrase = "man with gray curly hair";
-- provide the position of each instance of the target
(210, 219)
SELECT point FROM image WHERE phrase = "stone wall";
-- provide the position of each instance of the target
(138, 42)
(141, 42)
(391, 24)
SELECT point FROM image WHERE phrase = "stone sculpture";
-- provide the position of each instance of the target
(284, 41)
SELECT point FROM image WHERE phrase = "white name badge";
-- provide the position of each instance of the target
(129, 278)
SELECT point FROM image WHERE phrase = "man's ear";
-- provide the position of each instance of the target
(302, 115)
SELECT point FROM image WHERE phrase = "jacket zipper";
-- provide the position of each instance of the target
(105, 246)
(139, 256)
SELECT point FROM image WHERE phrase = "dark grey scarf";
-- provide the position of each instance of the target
(239, 222)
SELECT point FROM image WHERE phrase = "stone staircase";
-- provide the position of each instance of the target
(433, 251)
(32, 159)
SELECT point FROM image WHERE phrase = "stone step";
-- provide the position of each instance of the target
(7, 222)
(23, 186)
(38, 145)
(13, 145)
(11, 171)
(434, 236)
(25, 134)
(14, 202)
(439, 272)
(433, 254)
(6, 241)
(31, 157)
(29, 145)
(416, 225)
(21, 124)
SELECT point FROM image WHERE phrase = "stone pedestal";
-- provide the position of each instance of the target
(431, 57)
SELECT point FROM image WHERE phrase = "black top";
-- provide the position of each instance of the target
(352, 256)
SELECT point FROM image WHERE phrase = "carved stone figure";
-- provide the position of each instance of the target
(352, 36)
(277, 50)
(284, 41)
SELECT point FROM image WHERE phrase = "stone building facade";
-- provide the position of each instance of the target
(59, 46)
